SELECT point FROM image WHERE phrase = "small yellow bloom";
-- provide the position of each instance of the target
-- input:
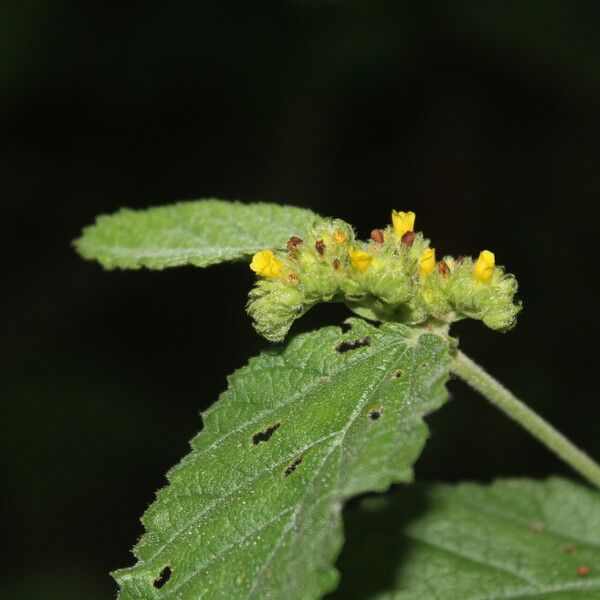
(484, 266)
(403, 222)
(427, 261)
(266, 264)
(359, 259)
(339, 237)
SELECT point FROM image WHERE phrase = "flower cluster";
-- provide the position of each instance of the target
(394, 276)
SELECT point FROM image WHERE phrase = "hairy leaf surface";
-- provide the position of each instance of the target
(200, 233)
(254, 510)
(514, 539)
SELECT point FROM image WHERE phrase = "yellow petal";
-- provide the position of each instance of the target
(266, 264)
(359, 259)
(484, 266)
(403, 222)
(427, 261)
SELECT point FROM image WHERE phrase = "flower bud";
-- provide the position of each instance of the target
(293, 242)
(403, 222)
(408, 239)
(266, 264)
(427, 261)
(359, 259)
(484, 266)
(377, 236)
(339, 237)
(443, 268)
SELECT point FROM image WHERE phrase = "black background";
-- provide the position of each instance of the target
(483, 117)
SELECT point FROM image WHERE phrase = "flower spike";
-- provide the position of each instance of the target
(394, 276)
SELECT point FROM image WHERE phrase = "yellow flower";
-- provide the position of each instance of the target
(484, 266)
(360, 260)
(339, 237)
(427, 261)
(266, 264)
(403, 222)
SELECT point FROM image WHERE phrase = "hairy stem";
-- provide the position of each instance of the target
(498, 395)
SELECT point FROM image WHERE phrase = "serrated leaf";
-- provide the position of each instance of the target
(254, 510)
(200, 233)
(514, 539)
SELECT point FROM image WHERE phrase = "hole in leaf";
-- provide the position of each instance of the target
(292, 466)
(375, 413)
(376, 324)
(397, 374)
(266, 434)
(353, 345)
(346, 327)
(163, 577)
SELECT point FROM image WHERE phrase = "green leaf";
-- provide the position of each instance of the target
(513, 539)
(200, 233)
(254, 510)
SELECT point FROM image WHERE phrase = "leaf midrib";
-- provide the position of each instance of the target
(368, 395)
(256, 419)
(454, 551)
(573, 586)
(192, 252)
(357, 411)
(590, 584)
(150, 252)
(252, 423)
(513, 519)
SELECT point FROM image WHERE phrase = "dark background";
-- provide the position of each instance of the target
(482, 117)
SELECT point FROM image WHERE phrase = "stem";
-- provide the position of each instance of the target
(510, 405)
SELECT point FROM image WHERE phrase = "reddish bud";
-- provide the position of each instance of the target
(293, 242)
(337, 264)
(377, 236)
(460, 260)
(292, 277)
(320, 246)
(444, 269)
(408, 238)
